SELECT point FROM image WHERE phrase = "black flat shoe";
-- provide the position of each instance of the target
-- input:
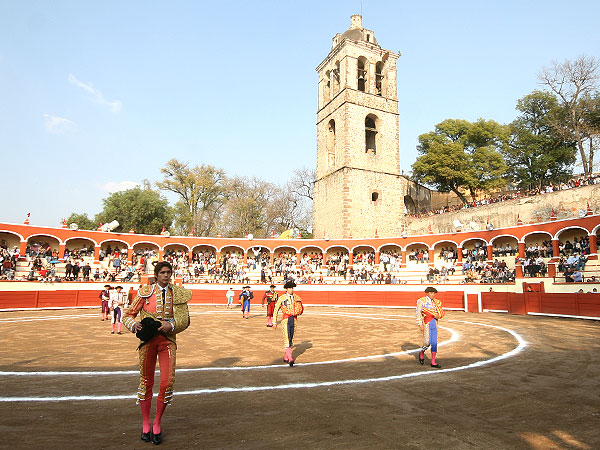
(157, 438)
(437, 366)
(422, 360)
(291, 363)
(146, 437)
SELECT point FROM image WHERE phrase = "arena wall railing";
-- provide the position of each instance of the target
(577, 305)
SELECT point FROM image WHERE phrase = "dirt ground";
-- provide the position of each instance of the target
(543, 396)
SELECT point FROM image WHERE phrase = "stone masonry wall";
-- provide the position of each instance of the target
(566, 204)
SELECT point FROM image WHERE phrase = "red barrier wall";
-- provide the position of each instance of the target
(74, 298)
(587, 305)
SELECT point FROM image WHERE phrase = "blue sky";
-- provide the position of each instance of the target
(95, 96)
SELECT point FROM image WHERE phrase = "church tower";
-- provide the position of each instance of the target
(359, 190)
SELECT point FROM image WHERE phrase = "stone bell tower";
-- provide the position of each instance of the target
(359, 190)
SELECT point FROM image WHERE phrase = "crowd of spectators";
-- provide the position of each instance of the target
(205, 267)
(484, 272)
(488, 200)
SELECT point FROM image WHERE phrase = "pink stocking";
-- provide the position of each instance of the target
(160, 409)
(146, 405)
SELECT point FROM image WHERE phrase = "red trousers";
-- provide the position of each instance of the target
(163, 349)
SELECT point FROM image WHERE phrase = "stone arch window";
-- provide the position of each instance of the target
(379, 78)
(327, 90)
(331, 143)
(362, 74)
(375, 198)
(371, 134)
(336, 78)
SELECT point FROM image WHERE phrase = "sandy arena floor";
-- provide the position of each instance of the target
(507, 382)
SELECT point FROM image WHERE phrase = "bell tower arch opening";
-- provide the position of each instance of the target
(362, 73)
(371, 134)
(331, 144)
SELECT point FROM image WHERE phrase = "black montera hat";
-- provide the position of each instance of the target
(272, 286)
(430, 289)
(149, 329)
(289, 284)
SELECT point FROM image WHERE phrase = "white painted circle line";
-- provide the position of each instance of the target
(454, 336)
(522, 344)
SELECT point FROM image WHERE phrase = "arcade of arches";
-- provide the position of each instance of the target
(550, 239)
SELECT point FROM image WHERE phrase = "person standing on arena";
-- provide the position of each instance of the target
(104, 298)
(271, 297)
(245, 298)
(290, 305)
(163, 310)
(230, 294)
(117, 305)
(429, 311)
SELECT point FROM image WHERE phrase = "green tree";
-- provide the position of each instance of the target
(462, 156)
(202, 193)
(142, 210)
(573, 82)
(538, 154)
(83, 221)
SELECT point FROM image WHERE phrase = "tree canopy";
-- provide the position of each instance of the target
(202, 194)
(83, 221)
(538, 153)
(462, 156)
(142, 210)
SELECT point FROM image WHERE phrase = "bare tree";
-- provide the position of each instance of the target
(573, 82)
(201, 191)
(301, 196)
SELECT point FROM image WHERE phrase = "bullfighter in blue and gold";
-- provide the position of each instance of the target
(290, 305)
(429, 311)
(163, 311)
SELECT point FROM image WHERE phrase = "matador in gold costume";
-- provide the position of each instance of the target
(429, 311)
(163, 311)
(291, 307)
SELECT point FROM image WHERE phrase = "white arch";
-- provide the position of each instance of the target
(310, 246)
(147, 242)
(472, 239)
(47, 235)
(82, 238)
(336, 246)
(503, 235)
(363, 245)
(522, 241)
(418, 242)
(205, 245)
(232, 245)
(444, 240)
(390, 244)
(259, 246)
(574, 227)
(284, 246)
(595, 230)
(175, 243)
(21, 238)
(113, 240)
